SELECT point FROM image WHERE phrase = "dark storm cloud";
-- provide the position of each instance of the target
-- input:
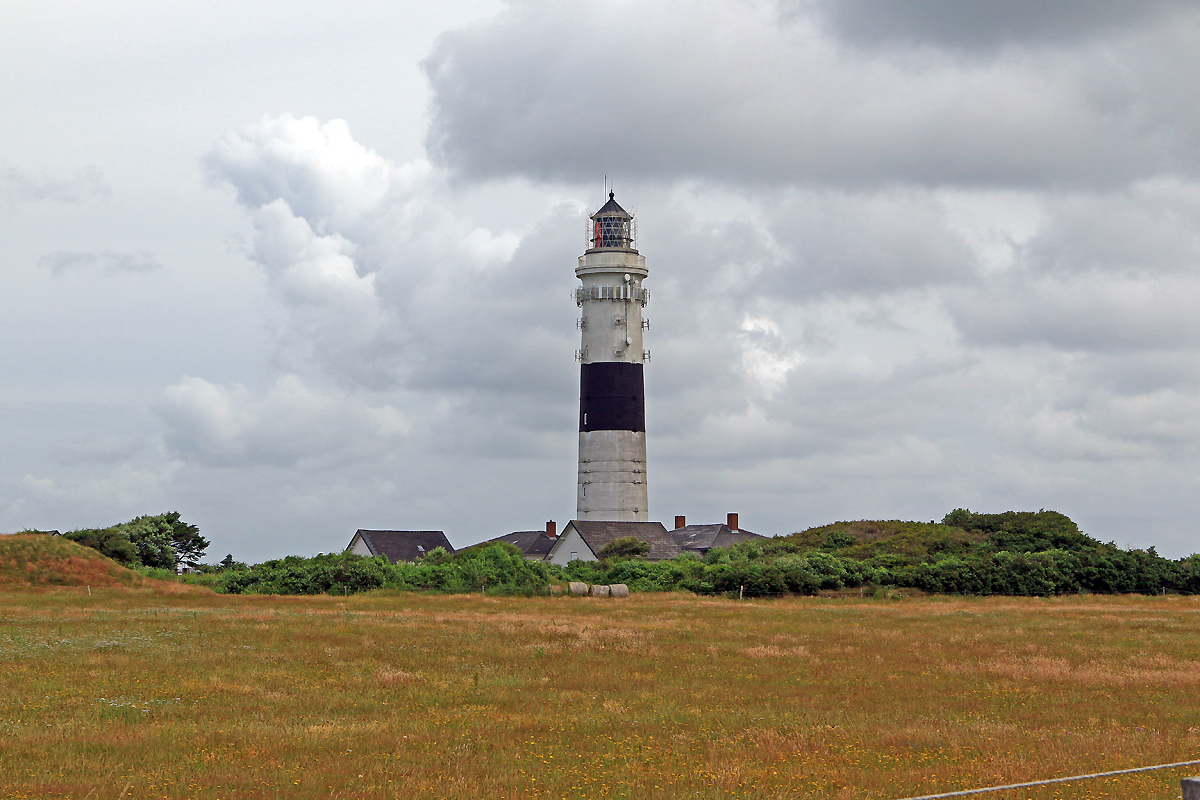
(726, 91)
(985, 24)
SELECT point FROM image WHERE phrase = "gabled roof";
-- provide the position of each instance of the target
(531, 543)
(403, 545)
(597, 534)
(702, 538)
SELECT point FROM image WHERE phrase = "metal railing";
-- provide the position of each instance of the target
(625, 292)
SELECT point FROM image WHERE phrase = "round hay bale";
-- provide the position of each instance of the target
(555, 589)
(599, 591)
(619, 590)
(577, 589)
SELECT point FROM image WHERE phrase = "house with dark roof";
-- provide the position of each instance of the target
(699, 539)
(533, 544)
(397, 545)
(584, 539)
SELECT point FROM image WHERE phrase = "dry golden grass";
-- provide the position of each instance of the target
(136, 694)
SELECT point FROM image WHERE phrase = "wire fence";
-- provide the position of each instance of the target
(967, 792)
(895, 591)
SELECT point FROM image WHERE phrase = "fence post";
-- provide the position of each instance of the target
(1191, 788)
(741, 589)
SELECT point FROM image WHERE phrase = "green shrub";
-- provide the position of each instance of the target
(108, 542)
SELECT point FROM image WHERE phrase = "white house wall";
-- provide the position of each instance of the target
(358, 546)
(570, 546)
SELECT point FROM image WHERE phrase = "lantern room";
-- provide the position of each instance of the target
(612, 228)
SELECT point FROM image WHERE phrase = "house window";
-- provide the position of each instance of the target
(574, 554)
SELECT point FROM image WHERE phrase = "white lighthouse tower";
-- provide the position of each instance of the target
(612, 400)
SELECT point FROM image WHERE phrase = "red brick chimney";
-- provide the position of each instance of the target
(731, 521)
(552, 529)
(680, 522)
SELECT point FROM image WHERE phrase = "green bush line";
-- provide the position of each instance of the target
(1015, 553)
(499, 568)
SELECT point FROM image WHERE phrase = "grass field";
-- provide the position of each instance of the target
(132, 693)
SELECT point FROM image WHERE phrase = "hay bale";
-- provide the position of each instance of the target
(619, 590)
(599, 591)
(577, 589)
(555, 589)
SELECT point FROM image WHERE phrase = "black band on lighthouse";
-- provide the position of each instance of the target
(612, 397)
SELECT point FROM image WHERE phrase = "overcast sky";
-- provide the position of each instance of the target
(298, 268)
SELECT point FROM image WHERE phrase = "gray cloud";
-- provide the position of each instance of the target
(717, 91)
(970, 24)
(106, 262)
(289, 425)
(1089, 312)
(1151, 228)
(864, 243)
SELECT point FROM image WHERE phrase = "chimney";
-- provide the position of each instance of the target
(552, 529)
(731, 521)
(680, 522)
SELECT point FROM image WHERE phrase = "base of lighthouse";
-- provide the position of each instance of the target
(612, 476)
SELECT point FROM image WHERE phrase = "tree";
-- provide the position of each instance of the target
(186, 539)
(151, 537)
(164, 540)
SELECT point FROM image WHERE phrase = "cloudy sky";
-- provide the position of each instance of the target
(298, 268)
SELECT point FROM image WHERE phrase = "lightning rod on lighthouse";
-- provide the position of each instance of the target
(612, 399)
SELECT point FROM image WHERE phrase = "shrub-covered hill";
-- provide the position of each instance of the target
(35, 559)
(961, 533)
(904, 542)
(1013, 553)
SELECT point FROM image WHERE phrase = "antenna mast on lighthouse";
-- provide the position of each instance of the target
(612, 398)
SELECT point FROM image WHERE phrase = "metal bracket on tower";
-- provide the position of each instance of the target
(581, 355)
(645, 324)
(646, 356)
(581, 323)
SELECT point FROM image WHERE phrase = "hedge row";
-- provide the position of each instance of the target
(497, 566)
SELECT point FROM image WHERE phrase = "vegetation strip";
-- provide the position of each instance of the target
(1022, 553)
(1049, 781)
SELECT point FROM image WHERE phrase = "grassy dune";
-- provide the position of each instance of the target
(34, 559)
(137, 695)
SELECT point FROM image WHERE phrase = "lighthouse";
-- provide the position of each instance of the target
(612, 399)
